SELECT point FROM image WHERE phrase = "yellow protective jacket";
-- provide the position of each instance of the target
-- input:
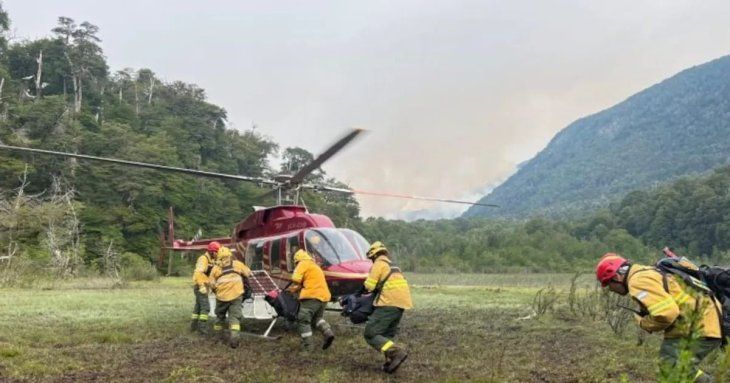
(669, 308)
(203, 268)
(310, 277)
(396, 292)
(227, 277)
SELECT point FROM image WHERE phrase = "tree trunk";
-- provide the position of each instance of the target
(39, 74)
(136, 99)
(4, 109)
(100, 111)
(78, 93)
(152, 88)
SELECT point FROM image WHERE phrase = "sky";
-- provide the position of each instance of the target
(454, 94)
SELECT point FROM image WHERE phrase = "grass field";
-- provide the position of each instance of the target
(479, 328)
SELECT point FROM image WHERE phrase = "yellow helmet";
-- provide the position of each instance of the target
(301, 255)
(224, 254)
(376, 248)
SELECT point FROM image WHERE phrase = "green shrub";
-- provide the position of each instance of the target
(136, 268)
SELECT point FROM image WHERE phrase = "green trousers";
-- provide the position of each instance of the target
(202, 305)
(382, 327)
(671, 348)
(234, 309)
(310, 317)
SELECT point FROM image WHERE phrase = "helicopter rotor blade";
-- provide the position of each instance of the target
(317, 162)
(395, 195)
(145, 165)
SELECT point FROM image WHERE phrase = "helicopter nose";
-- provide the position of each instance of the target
(350, 270)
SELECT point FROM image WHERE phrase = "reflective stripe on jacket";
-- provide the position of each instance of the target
(311, 279)
(396, 292)
(227, 279)
(669, 308)
(203, 267)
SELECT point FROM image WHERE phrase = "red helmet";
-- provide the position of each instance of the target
(214, 246)
(608, 266)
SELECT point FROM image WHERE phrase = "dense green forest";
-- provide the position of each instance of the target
(73, 217)
(691, 215)
(675, 128)
(58, 93)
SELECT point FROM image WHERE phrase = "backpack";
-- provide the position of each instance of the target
(359, 306)
(709, 280)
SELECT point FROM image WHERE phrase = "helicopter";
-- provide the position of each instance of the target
(267, 239)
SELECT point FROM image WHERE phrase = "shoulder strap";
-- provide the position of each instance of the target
(209, 269)
(690, 277)
(379, 286)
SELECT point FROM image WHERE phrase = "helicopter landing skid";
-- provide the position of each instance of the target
(266, 333)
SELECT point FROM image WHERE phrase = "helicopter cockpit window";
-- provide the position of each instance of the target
(329, 246)
(358, 241)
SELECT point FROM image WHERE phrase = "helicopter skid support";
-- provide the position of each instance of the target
(266, 333)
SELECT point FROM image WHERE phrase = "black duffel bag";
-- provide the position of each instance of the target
(247, 291)
(359, 306)
(284, 302)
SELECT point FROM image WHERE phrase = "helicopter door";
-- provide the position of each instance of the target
(275, 256)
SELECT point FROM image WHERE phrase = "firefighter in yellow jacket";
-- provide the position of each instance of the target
(203, 267)
(308, 279)
(394, 298)
(227, 281)
(667, 306)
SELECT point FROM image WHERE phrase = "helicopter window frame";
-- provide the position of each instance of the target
(291, 243)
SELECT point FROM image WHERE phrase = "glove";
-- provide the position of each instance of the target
(203, 289)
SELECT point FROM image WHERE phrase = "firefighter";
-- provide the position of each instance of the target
(666, 305)
(203, 267)
(394, 298)
(308, 279)
(227, 282)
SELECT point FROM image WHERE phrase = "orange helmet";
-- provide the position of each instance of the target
(608, 267)
(214, 246)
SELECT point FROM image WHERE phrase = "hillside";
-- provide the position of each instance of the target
(678, 127)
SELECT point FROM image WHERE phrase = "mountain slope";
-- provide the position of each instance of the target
(677, 127)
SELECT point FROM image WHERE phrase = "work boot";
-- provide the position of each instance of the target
(307, 343)
(394, 357)
(235, 339)
(203, 328)
(329, 337)
(193, 325)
